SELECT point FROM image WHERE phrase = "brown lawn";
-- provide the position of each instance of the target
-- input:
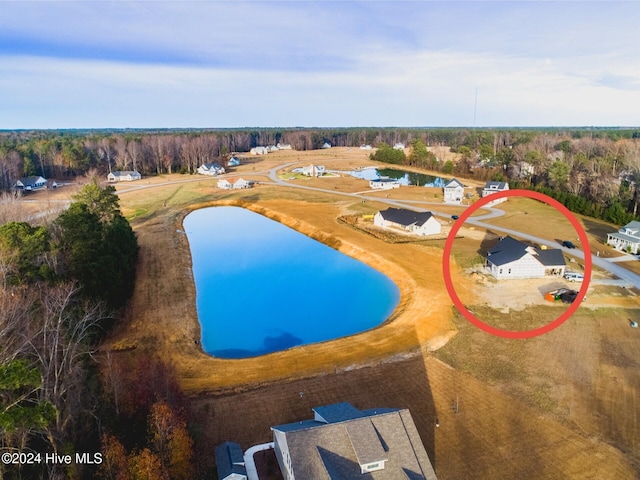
(561, 406)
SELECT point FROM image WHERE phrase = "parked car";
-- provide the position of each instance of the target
(455, 217)
(568, 244)
(574, 277)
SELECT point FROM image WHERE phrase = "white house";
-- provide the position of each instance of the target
(365, 147)
(259, 151)
(284, 146)
(326, 145)
(511, 258)
(494, 187)
(233, 162)
(453, 191)
(210, 169)
(399, 146)
(30, 183)
(313, 170)
(384, 184)
(627, 238)
(230, 462)
(124, 176)
(272, 148)
(344, 442)
(418, 223)
(232, 184)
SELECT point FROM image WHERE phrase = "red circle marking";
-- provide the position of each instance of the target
(446, 264)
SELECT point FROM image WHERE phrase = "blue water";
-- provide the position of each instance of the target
(262, 287)
(402, 176)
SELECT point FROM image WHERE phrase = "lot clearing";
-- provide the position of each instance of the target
(561, 406)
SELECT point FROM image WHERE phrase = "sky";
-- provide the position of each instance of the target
(195, 64)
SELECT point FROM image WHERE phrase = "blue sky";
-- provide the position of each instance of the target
(331, 63)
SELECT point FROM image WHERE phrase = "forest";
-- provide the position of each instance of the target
(63, 284)
(601, 165)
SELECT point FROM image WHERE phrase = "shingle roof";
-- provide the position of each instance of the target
(509, 250)
(496, 185)
(453, 183)
(405, 217)
(336, 450)
(228, 457)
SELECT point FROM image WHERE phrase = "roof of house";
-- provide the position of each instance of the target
(453, 183)
(509, 250)
(405, 217)
(229, 460)
(31, 181)
(635, 225)
(339, 448)
(625, 237)
(124, 173)
(496, 185)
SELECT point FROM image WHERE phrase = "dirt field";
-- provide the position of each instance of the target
(561, 406)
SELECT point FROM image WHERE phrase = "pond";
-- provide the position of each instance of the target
(262, 287)
(402, 176)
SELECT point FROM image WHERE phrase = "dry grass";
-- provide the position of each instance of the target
(562, 406)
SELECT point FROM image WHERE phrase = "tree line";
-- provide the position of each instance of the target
(61, 284)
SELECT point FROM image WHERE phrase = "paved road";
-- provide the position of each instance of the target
(627, 277)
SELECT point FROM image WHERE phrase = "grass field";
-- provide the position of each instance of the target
(560, 406)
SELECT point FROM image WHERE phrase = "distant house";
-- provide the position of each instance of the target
(399, 146)
(210, 169)
(30, 183)
(511, 258)
(384, 184)
(233, 162)
(272, 148)
(453, 191)
(124, 176)
(342, 442)
(418, 223)
(313, 170)
(284, 146)
(627, 238)
(232, 184)
(230, 462)
(365, 147)
(326, 145)
(494, 187)
(259, 151)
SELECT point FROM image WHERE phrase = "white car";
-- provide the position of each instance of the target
(574, 277)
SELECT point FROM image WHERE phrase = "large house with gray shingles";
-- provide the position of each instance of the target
(627, 238)
(494, 187)
(453, 191)
(418, 223)
(230, 462)
(30, 183)
(511, 258)
(350, 444)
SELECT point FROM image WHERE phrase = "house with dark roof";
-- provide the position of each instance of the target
(30, 183)
(453, 191)
(511, 258)
(230, 462)
(494, 187)
(627, 238)
(418, 223)
(342, 442)
(210, 169)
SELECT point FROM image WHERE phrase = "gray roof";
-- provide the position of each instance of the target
(229, 460)
(125, 172)
(625, 237)
(405, 217)
(509, 250)
(337, 449)
(453, 183)
(31, 181)
(496, 185)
